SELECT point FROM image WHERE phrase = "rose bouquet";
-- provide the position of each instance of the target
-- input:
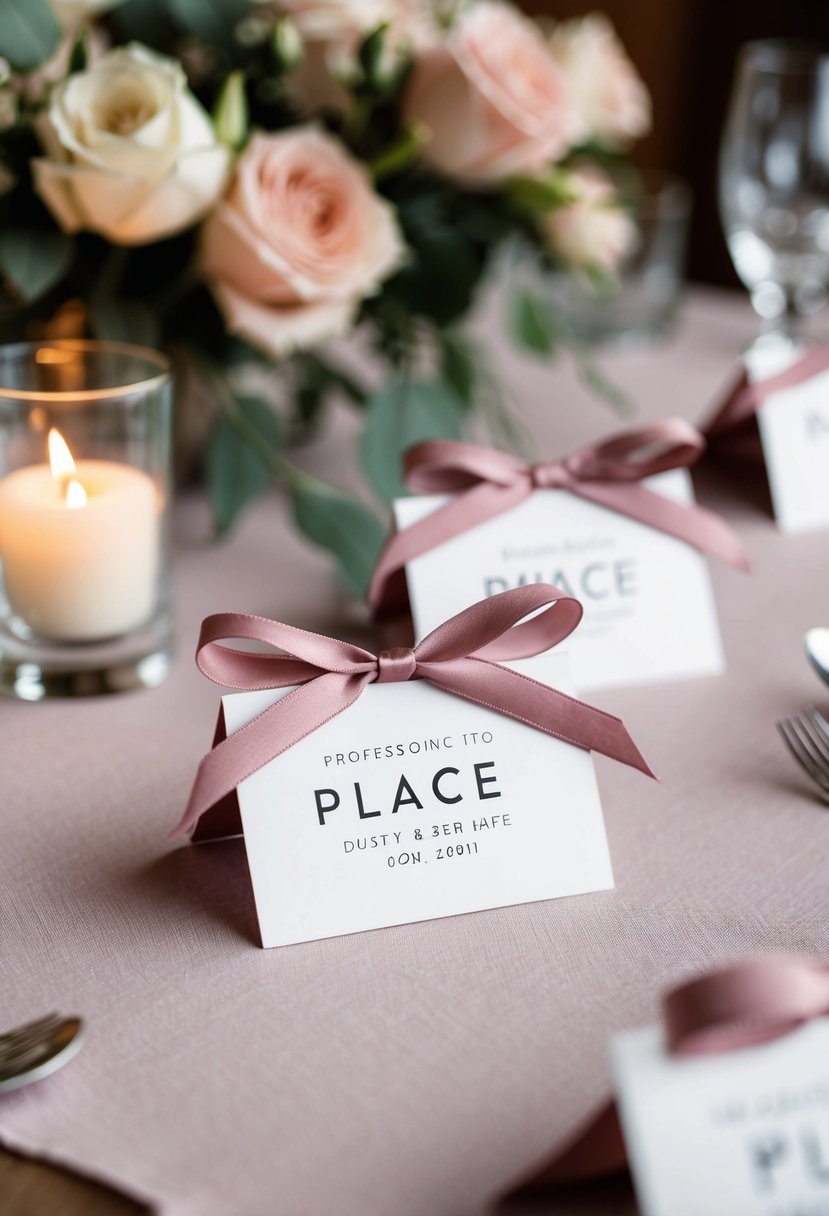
(241, 182)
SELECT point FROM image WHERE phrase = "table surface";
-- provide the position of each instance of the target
(421, 1068)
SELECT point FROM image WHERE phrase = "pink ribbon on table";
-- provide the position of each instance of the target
(740, 1006)
(733, 427)
(460, 657)
(486, 483)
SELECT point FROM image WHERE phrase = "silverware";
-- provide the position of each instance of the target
(37, 1049)
(806, 735)
(816, 644)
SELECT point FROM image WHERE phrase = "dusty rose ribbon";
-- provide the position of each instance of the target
(486, 483)
(460, 656)
(733, 429)
(743, 1005)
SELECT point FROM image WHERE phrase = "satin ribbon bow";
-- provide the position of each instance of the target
(459, 657)
(487, 483)
(741, 1006)
(746, 397)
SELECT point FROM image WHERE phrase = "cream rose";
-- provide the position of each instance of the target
(492, 99)
(612, 101)
(593, 231)
(301, 239)
(130, 153)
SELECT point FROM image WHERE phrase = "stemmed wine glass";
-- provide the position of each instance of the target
(774, 182)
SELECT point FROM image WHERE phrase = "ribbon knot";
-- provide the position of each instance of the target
(552, 476)
(397, 665)
(486, 483)
(324, 676)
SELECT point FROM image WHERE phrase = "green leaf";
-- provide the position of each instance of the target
(29, 33)
(343, 526)
(458, 364)
(34, 259)
(118, 319)
(440, 277)
(145, 21)
(212, 20)
(531, 324)
(236, 474)
(401, 413)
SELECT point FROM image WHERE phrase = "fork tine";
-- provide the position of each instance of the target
(820, 728)
(802, 758)
(802, 754)
(802, 726)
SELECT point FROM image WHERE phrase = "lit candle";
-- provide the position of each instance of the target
(80, 545)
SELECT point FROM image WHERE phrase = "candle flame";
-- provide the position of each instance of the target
(63, 470)
(60, 458)
(75, 495)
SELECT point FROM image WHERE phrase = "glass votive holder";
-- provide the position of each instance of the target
(85, 438)
(640, 301)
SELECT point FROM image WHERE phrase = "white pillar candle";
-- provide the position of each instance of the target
(81, 548)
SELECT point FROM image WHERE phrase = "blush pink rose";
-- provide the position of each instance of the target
(593, 231)
(492, 99)
(612, 101)
(300, 240)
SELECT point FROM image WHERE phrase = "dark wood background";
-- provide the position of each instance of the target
(685, 51)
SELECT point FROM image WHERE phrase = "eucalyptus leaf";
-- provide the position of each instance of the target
(401, 413)
(34, 259)
(342, 525)
(236, 473)
(118, 319)
(29, 33)
(531, 324)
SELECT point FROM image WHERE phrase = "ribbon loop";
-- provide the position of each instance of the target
(396, 665)
(330, 675)
(740, 1006)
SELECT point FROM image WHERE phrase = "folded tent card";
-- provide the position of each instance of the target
(777, 414)
(375, 790)
(723, 1110)
(614, 524)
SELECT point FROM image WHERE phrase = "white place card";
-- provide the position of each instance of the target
(414, 804)
(794, 432)
(649, 611)
(739, 1134)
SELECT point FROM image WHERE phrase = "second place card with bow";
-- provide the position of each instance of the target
(376, 790)
(614, 524)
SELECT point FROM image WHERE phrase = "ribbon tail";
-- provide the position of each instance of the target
(266, 736)
(596, 1150)
(688, 522)
(537, 705)
(387, 591)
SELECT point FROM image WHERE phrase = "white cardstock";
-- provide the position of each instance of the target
(649, 611)
(794, 432)
(508, 814)
(739, 1134)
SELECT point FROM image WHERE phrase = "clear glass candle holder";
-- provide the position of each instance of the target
(85, 438)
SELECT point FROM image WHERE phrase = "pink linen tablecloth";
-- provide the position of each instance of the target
(411, 1071)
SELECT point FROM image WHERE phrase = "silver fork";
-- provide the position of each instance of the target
(806, 734)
